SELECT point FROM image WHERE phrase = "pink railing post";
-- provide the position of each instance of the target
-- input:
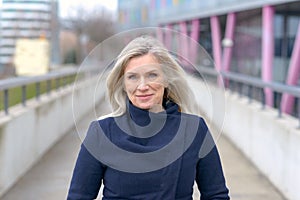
(184, 48)
(168, 37)
(293, 75)
(228, 42)
(216, 40)
(160, 34)
(194, 41)
(268, 50)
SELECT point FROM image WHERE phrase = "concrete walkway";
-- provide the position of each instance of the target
(49, 179)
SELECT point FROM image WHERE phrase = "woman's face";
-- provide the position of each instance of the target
(144, 82)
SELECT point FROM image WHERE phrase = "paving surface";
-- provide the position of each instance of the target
(49, 179)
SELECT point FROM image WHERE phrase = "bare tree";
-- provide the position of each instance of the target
(90, 26)
(100, 25)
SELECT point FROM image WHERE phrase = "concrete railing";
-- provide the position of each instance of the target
(272, 143)
(28, 132)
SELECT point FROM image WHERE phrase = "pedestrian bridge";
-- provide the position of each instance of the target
(40, 138)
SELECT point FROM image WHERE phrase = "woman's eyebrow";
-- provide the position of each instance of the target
(131, 72)
(153, 70)
(145, 71)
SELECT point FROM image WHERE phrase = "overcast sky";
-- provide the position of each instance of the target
(64, 4)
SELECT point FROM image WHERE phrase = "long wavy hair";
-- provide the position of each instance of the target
(177, 90)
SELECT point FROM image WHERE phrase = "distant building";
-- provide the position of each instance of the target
(133, 13)
(247, 29)
(28, 19)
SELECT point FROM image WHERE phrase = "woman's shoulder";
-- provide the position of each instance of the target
(100, 124)
(194, 118)
(107, 120)
(106, 117)
(100, 121)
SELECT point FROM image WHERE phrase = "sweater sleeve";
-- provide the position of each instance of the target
(87, 176)
(209, 176)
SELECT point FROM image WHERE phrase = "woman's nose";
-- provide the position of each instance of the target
(143, 85)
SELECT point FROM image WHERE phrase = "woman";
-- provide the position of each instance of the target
(151, 146)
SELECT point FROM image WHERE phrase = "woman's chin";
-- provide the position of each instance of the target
(156, 108)
(151, 107)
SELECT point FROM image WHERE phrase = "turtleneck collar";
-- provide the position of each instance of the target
(142, 117)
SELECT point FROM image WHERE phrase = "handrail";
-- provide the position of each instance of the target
(256, 82)
(20, 81)
(251, 82)
(23, 82)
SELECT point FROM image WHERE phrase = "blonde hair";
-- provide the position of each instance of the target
(177, 91)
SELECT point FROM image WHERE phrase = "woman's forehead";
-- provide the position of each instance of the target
(144, 68)
(145, 62)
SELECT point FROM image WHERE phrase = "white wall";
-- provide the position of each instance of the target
(27, 133)
(271, 143)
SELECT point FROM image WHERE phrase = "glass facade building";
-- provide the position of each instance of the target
(260, 38)
(28, 19)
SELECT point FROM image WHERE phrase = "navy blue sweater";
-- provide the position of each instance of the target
(143, 155)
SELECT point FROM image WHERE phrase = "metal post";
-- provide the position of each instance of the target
(299, 111)
(24, 95)
(48, 86)
(65, 81)
(235, 86)
(57, 83)
(6, 101)
(279, 112)
(263, 99)
(250, 91)
(71, 79)
(38, 90)
(240, 88)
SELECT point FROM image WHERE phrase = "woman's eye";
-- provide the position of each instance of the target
(152, 75)
(132, 77)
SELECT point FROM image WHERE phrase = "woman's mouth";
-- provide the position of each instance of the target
(144, 97)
